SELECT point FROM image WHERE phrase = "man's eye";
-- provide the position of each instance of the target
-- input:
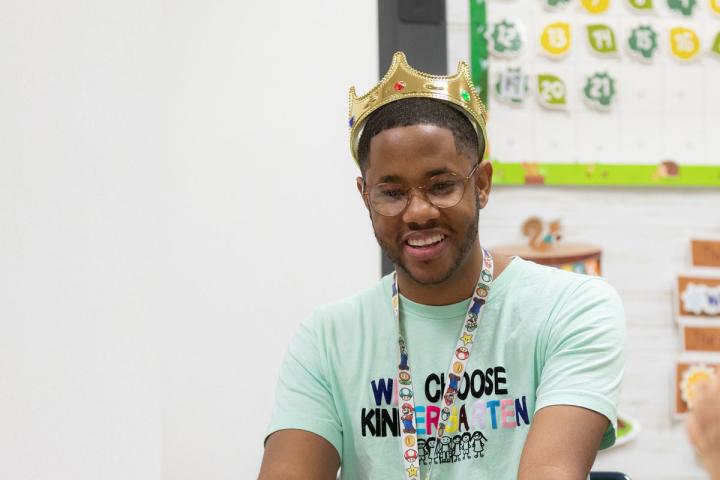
(445, 187)
(392, 194)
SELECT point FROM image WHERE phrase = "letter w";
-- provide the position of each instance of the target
(382, 389)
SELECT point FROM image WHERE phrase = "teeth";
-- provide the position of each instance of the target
(421, 242)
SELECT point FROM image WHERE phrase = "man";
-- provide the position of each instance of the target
(535, 353)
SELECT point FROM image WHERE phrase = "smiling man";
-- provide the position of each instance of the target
(461, 364)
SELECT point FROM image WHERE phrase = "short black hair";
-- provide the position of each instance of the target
(420, 111)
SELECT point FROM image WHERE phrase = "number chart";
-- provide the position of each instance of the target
(599, 92)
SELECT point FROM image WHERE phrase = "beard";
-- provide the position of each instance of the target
(471, 235)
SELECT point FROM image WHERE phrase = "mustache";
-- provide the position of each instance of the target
(413, 227)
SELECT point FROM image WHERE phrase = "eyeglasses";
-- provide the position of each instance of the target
(442, 191)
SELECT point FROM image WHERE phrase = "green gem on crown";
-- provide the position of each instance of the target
(465, 95)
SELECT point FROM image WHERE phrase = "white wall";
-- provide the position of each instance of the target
(174, 184)
(78, 156)
(267, 223)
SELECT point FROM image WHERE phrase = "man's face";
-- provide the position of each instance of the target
(410, 156)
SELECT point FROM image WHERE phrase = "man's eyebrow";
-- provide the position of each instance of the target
(399, 179)
(437, 171)
(390, 179)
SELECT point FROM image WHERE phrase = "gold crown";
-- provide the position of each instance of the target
(402, 81)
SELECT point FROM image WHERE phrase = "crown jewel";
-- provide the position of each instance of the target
(402, 81)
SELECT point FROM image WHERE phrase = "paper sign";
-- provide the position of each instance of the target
(699, 296)
(715, 6)
(601, 39)
(641, 5)
(551, 91)
(683, 7)
(643, 43)
(684, 43)
(511, 86)
(700, 338)
(554, 4)
(595, 6)
(555, 39)
(505, 39)
(705, 253)
(688, 376)
(716, 45)
(599, 90)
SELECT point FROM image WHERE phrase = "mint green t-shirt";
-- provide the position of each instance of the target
(546, 337)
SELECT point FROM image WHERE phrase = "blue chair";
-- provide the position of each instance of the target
(608, 476)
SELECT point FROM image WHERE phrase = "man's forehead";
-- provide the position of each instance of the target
(413, 152)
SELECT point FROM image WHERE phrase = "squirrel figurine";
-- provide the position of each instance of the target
(541, 239)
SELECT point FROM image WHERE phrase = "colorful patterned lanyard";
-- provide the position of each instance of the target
(461, 354)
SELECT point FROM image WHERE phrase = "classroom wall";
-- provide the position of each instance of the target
(176, 194)
(80, 199)
(268, 223)
(645, 238)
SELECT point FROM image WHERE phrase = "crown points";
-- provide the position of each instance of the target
(403, 81)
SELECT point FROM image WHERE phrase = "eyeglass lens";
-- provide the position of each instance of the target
(443, 191)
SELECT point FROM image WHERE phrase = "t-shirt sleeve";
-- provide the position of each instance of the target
(584, 354)
(303, 397)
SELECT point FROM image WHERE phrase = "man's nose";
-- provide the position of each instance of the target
(419, 209)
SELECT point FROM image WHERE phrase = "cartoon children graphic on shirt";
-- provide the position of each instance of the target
(422, 451)
(456, 448)
(478, 444)
(407, 418)
(445, 450)
(434, 456)
(466, 445)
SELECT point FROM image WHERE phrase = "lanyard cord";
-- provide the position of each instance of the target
(460, 357)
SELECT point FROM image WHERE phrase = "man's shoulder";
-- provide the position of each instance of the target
(550, 284)
(537, 275)
(364, 304)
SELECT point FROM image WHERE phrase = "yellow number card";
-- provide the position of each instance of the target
(555, 40)
(715, 6)
(595, 6)
(684, 43)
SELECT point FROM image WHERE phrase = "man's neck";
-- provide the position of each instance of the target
(457, 288)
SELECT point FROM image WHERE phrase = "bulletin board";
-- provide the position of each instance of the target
(600, 92)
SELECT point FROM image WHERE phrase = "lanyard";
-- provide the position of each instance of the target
(460, 356)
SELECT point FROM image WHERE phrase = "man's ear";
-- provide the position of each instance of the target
(483, 181)
(359, 181)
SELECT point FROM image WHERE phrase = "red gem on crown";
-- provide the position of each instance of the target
(399, 86)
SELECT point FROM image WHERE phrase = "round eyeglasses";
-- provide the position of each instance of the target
(442, 191)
